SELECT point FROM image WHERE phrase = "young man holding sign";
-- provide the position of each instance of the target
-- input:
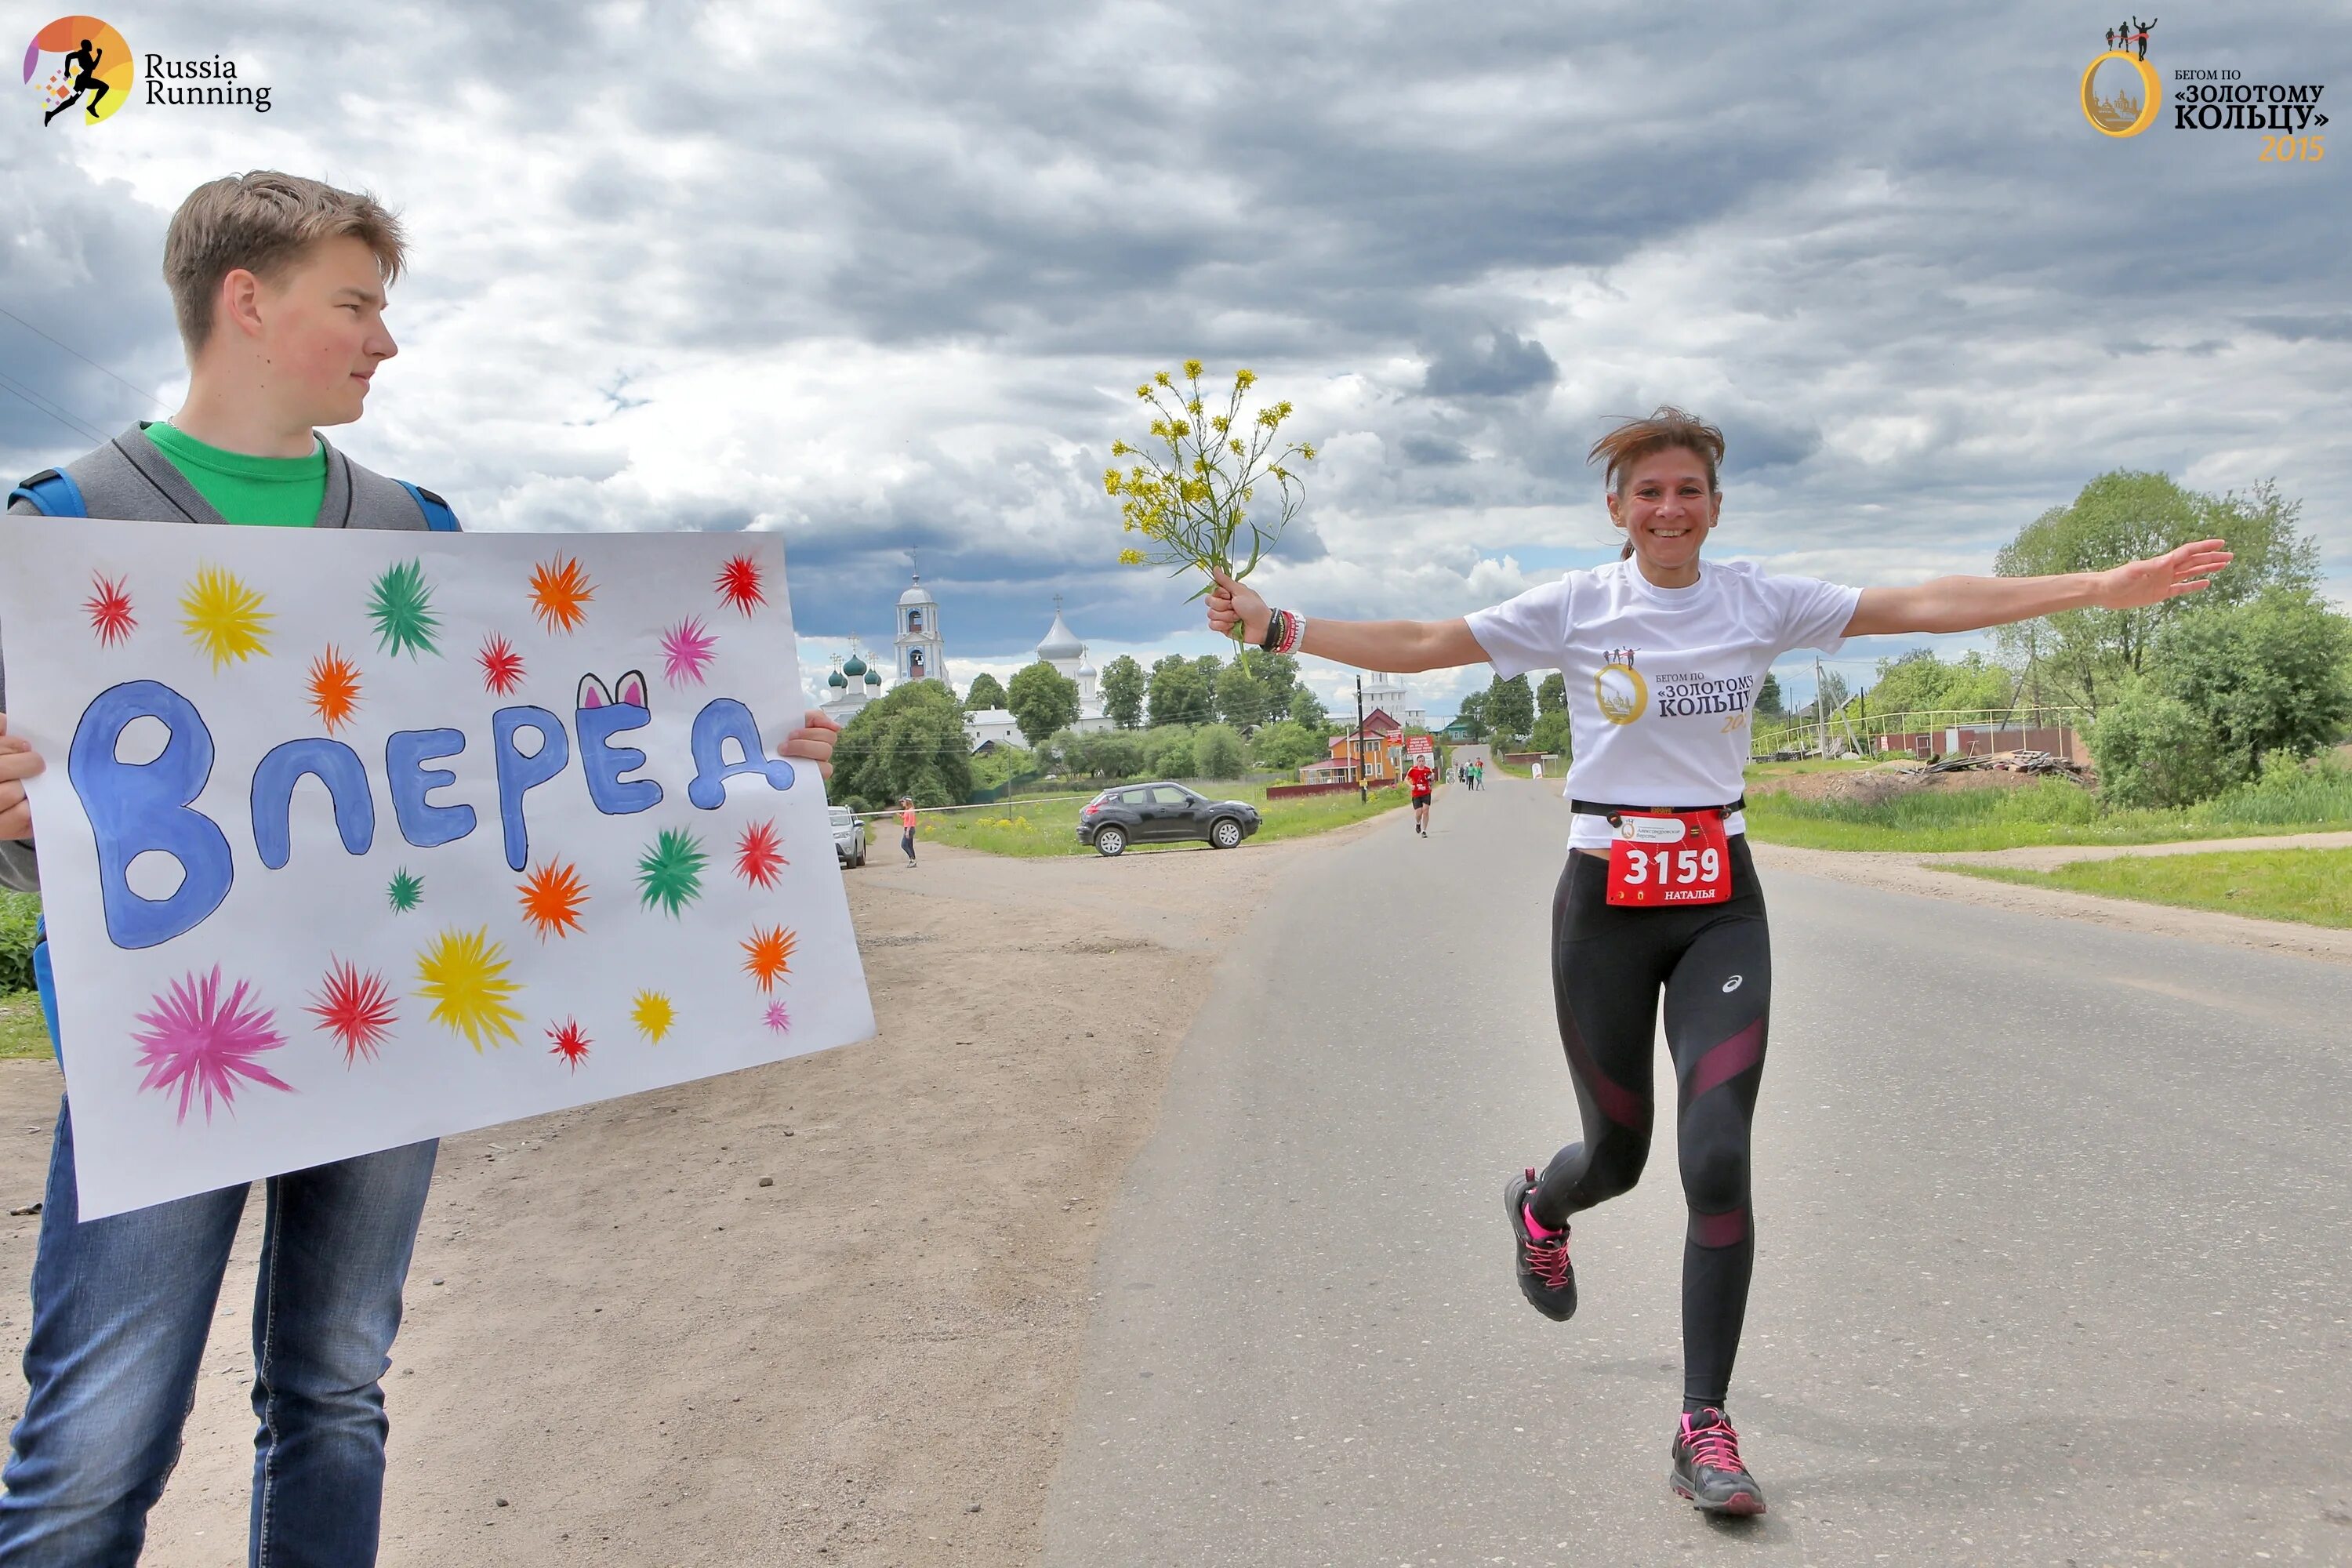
(1659, 898)
(278, 285)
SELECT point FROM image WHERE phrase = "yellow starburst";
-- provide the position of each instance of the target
(653, 1016)
(463, 974)
(223, 616)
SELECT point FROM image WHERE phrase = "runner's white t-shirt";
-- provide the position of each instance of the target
(1660, 681)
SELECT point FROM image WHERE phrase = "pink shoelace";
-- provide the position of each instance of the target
(1717, 1447)
(1548, 1259)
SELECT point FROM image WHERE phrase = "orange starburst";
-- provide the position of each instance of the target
(759, 855)
(551, 897)
(334, 689)
(560, 593)
(768, 955)
(501, 666)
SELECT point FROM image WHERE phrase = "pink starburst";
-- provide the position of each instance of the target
(200, 1043)
(110, 611)
(501, 666)
(354, 1006)
(739, 585)
(776, 1018)
(687, 650)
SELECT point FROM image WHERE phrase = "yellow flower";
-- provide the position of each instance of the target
(1161, 378)
(1143, 391)
(1130, 557)
(1119, 448)
(1110, 481)
(1244, 379)
(1192, 369)
(1307, 453)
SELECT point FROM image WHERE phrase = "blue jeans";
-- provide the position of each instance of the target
(120, 1308)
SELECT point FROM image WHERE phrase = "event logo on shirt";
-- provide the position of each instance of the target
(1620, 690)
(80, 63)
(2122, 95)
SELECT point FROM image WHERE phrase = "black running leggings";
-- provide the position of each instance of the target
(1714, 963)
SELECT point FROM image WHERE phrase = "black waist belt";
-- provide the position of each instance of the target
(1600, 808)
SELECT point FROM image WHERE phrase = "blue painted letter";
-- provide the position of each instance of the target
(723, 719)
(603, 763)
(136, 807)
(518, 774)
(422, 823)
(339, 768)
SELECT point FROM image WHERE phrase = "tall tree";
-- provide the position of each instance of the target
(1306, 708)
(1767, 697)
(986, 692)
(1179, 693)
(909, 743)
(2087, 657)
(1241, 700)
(1122, 691)
(1275, 674)
(1043, 699)
(1510, 707)
(1552, 694)
(1472, 712)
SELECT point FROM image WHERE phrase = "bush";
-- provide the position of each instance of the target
(1168, 752)
(1551, 735)
(20, 914)
(2154, 749)
(1218, 752)
(1287, 745)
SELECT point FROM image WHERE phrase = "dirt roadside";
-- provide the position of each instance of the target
(621, 1349)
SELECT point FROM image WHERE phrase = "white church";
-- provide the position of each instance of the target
(1065, 652)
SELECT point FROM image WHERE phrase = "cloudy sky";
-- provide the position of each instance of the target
(883, 277)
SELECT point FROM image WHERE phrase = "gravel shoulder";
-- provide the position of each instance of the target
(623, 1348)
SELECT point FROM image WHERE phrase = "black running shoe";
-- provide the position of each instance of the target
(1546, 1280)
(1708, 1469)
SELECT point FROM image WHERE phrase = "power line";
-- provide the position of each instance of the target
(81, 356)
(63, 417)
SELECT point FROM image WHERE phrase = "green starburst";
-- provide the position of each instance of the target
(405, 892)
(400, 605)
(670, 873)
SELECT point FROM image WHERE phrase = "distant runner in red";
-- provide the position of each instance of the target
(1422, 779)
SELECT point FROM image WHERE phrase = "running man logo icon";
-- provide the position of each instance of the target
(80, 63)
(2122, 94)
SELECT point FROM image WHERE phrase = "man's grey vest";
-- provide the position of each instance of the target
(130, 479)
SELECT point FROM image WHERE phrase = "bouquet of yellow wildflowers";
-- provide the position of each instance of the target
(1190, 489)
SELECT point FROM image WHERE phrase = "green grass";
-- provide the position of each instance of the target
(23, 1034)
(2050, 811)
(2313, 885)
(1051, 827)
(1810, 765)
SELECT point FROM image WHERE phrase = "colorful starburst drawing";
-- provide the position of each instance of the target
(224, 617)
(501, 666)
(740, 585)
(355, 1006)
(404, 891)
(200, 1043)
(551, 897)
(110, 611)
(560, 594)
(670, 873)
(776, 1017)
(768, 955)
(687, 650)
(401, 605)
(334, 685)
(653, 1016)
(759, 855)
(571, 1043)
(464, 974)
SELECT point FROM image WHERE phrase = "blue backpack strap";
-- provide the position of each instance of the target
(437, 515)
(55, 494)
(45, 980)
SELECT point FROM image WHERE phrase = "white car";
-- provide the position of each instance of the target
(848, 836)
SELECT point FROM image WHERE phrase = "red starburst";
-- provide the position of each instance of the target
(501, 666)
(110, 611)
(740, 585)
(571, 1043)
(201, 1043)
(759, 855)
(356, 1009)
(334, 689)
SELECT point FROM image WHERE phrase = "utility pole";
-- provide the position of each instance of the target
(1821, 708)
(1363, 789)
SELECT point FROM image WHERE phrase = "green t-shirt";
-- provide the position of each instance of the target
(271, 492)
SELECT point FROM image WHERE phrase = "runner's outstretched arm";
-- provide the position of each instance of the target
(1407, 647)
(1970, 604)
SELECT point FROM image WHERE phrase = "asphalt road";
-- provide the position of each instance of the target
(2054, 1227)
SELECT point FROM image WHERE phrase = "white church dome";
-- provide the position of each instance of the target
(918, 595)
(1060, 642)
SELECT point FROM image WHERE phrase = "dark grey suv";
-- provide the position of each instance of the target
(1159, 813)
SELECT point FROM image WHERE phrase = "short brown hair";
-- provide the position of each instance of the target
(1667, 428)
(264, 222)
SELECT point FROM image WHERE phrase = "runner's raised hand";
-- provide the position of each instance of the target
(2162, 577)
(1231, 604)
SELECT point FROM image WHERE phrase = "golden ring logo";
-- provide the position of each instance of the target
(80, 62)
(1620, 691)
(2135, 96)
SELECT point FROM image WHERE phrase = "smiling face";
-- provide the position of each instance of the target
(1666, 505)
(316, 330)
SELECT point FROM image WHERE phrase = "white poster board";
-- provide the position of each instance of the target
(351, 838)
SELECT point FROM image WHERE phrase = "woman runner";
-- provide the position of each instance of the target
(1662, 658)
